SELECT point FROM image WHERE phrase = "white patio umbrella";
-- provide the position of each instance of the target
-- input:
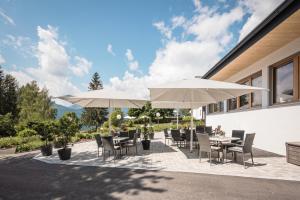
(105, 99)
(196, 92)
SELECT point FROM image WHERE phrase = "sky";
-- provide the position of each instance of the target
(132, 44)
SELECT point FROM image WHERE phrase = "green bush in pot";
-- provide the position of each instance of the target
(68, 125)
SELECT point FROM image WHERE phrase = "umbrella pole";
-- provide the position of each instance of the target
(192, 125)
(109, 120)
(177, 118)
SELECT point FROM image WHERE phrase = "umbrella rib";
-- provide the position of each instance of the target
(206, 91)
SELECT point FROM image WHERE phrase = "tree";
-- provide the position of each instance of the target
(10, 96)
(68, 125)
(35, 104)
(94, 116)
(149, 111)
(2, 105)
(114, 119)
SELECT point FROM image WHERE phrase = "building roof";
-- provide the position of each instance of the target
(282, 12)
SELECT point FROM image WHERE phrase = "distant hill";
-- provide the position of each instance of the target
(62, 109)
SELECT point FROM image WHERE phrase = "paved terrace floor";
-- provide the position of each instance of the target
(171, 158)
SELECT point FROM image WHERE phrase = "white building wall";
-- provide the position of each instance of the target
(273, 126)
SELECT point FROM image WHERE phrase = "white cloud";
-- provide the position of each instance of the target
(22, 44)
(178, 21)
(132, 63)
(258, 11)
(6, 18)
(82, 66)
(164, 30)
(110, 49)
(179, 59)
(55, 66)
(2, 60)
(129, 55)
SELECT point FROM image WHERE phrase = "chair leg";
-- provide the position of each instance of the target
(210, 157)
(252, 158)
(199, 156)
(244, 160)
(98, 152)
(103, 154)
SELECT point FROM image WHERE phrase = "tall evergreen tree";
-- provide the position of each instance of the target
(10, 96)
(35, 104)
(94, 116)
(2, 105)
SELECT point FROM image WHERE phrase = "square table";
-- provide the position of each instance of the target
(222, 139)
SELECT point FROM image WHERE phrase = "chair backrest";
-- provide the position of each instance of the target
(247, 148)
(175, 133)
(208, 130)
(138, 131)
(238, 133)
(203, 140)
(200, 129)
(124, 134)
(131, 134)
(166, 132)
(98, 140)
(108, 143)
(135, 137)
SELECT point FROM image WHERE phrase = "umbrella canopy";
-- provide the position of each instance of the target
(198, 92)
(194, 93)
(105, 98)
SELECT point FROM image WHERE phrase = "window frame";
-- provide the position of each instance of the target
(295, 59)
(248, 78)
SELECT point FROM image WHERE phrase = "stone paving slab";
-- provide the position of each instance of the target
(171, 158)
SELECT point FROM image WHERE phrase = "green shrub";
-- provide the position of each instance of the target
(27, 133)
(7, 125)
(8, 142)
(68, 125)
(32, 145)
(84, 135)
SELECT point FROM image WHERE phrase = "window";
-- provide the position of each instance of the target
(253, 99)
(232, 104)
(256, 96)
(216, 107)
(283, 83)
(285, 80)
(245, 99)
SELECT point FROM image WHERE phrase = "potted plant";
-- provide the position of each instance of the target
(46, 132)
(68, 126)
(145, 131)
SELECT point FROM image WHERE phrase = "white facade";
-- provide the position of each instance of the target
(273, 125)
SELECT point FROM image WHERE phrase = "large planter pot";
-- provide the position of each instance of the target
(146, 144)
(64, 154)
(46, 150)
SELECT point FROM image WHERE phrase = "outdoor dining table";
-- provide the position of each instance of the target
(223, 139)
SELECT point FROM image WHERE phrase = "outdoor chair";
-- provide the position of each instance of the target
(167, 136)
(108, 145)
(204, 146)
(131, 134)
(188, 137)
(245, 148)
(208, 130)
(132, 144)
(200, 129)
(235, 133)
(99, 142)
(175, 133)
(124, 134)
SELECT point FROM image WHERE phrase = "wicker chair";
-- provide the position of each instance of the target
(108, 145)
(99, 142)
(175, 133)
(132, 144)
(245, 148)
(204, 146)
